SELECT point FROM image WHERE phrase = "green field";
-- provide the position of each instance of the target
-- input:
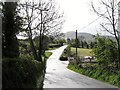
(82, 51)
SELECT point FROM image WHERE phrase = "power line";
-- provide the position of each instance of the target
(95, 20)
(90, 23)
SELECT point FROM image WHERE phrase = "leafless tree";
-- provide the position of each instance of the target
(109, 13)
(40, 18)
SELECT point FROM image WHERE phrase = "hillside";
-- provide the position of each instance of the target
(84, 36)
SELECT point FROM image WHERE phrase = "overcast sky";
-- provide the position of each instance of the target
(78, 14)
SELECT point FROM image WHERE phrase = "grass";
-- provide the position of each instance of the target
(82, 51)
(99, 74)
(48, 54)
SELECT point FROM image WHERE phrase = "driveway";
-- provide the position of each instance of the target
(58, 76)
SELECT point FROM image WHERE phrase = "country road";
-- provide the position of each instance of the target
(58, 76)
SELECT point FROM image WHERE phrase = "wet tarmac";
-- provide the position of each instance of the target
(58, 76)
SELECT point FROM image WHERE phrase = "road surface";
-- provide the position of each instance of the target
(58, 76)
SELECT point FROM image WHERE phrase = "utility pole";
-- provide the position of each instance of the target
(76, 47)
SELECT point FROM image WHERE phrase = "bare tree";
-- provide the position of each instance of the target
(110, 16)
(40, 18)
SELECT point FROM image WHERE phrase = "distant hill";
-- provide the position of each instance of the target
(70, 34)
(87, 37)
(84, 36)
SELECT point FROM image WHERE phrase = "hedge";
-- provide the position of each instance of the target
(22, 73)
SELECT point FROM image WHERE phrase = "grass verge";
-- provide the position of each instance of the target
(99, 74)
(48, 54)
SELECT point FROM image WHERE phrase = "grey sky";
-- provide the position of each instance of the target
(79, 14)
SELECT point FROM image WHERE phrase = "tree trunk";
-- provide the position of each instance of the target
(40, 48)
(40, 42)
(33, 48)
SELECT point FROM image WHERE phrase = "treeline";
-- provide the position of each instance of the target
(81, 43)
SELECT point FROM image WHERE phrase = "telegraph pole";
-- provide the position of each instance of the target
(76, 47)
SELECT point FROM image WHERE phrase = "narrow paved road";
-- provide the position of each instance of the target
(58, 76)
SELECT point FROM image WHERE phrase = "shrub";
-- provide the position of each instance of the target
(105, 52)
(65, 54)
(54, 45)
(114, 79)
(22, 73)
(63, 58)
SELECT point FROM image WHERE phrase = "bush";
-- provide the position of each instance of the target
(63, 58)
(105, 52)
(65, 54)
(114, 79)
(54, 45)
(22, 73)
